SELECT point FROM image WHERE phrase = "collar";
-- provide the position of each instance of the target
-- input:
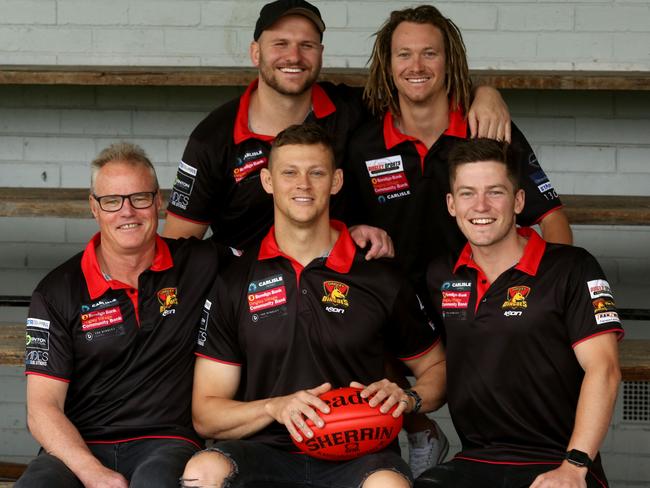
(95, 281)
(529, 262)
(321, 105)
(340, 258)
(392, 136)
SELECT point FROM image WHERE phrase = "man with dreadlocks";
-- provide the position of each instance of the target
(397, 178)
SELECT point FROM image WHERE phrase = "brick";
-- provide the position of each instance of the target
(521, 103)
(130, 41)
(96, 122)
(126, 59)
(150, 123)
(470, 16)
(202, 41)
(91, 13)
(632, 47)
(201, 98)
(483, 46)
(11, 148)
(47, 256)
(538, 18)
(620, 18)
(156, 149)
(138, 97)
(26, 229)
(12, 95)
(18, 442)
(29, 121)
(605, 243)
(631, 440)
(164, 13)
(634, 271)
(18, 57)
(76, 175)
(242, 14)
(79, 231)
(634, 159)
(166, 175)
(54, 96)
(332, 12)
(599, 184)
(550, 130)
(589, 159)
(366, 16)
(575, 103)
(43, 40)
(12, 255)
(60, 149)
(559, 46)
(30, 175)
(349, 43)
(632, 104)
(176, 148)
(13, 415)
(619, 131)
(20, 282)
(28, 12)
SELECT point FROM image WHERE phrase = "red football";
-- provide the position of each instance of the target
(352, 428)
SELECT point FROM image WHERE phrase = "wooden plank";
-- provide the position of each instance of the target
(10, 472)
(73, 203)
(241, 76)
(635, 359)
(12, 344)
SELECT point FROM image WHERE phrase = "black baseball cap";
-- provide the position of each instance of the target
(272, 12)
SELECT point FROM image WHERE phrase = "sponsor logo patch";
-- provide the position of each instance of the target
(39, 323)
(606, 317)
(603, 305)
(184, 183)
(599, 288)
(186, 168)
(388, 178)
(544, 187)
(37, 339)
(458, 285)
(36, 358)
(336, 293)
(455, 299)
(168, 299)
(516, 297)
(96, 319)
(264, 294)
(539, 177)
(249, 162)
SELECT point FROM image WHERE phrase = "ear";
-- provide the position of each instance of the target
(94, 206)
(337, 181)
(520, 200)
(267, 181)
(451, 207)
(254, 53)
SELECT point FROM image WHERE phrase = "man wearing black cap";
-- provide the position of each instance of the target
(218, 182)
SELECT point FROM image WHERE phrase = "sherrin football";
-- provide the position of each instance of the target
(352, 428)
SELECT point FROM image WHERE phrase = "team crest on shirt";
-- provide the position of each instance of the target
(335, 296)
(168, 299)
(516, 298)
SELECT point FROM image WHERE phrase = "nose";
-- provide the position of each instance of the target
(303, 181)
(127, 208)
(482, 204)
(417, 63)
(292, 54)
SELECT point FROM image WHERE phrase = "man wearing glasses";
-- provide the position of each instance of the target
(110, 341)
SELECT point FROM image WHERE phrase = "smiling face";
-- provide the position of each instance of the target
(301, 178)
(418, 62)
(129, 230)
(288, 55)
(484, 202)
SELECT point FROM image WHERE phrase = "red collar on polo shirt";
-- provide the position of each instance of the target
(529, 262)
(393, 136)
(321, 105)
(340, 257)
(95, 281)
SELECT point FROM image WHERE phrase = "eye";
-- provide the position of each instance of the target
(288, 172)
(318, 172)
(309, 45)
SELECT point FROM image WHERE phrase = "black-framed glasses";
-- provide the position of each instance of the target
(113, 203)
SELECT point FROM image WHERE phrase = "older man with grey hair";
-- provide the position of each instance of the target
(110, 340)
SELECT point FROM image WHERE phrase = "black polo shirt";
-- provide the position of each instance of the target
(394, 182)
(127, 354)
(513, 380)
(293, 328)
(218, 181)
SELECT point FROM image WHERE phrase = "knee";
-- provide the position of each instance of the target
(383, 478)
(207, 468)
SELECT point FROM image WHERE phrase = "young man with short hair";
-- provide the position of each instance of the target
(273, 338)
(531, 339)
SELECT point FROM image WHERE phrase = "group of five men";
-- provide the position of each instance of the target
(529, 362)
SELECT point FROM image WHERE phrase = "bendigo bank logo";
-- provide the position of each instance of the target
(336, 293)
(516, 297)
(167, 299)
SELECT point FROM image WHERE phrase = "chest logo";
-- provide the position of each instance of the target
(516, 298)
(168, 299)
(248, 163)
(336, 293)
(388, 178)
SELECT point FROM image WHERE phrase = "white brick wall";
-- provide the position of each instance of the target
(532, 34)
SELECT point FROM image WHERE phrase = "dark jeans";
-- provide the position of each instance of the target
(258, 465)
(459, 473)
(146, 463)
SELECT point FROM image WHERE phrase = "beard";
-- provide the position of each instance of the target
(268, 75)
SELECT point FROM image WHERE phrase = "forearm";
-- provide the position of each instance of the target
(432, 387)
(594, 410)
(555, 228)
(221, 418)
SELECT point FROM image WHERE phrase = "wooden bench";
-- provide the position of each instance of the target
(73, 203)
(241, 76)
